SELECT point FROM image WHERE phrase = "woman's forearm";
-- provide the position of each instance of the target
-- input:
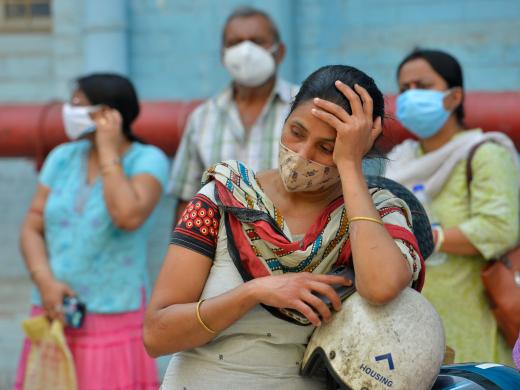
(34, 253)
(122, 200)
(455, 242)
(176, 328)
(381, 270)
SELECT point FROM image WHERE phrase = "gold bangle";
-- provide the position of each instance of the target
(106, 168)
(197, 311)
(37, 269)
(366, 219)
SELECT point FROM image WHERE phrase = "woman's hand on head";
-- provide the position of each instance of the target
(295, 291)
(356, 132)
(109, 128)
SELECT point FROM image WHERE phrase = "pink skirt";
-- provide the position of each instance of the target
(108, 353)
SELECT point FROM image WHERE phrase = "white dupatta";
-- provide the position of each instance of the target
(433, 169)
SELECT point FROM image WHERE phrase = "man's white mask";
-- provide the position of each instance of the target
(250, 64)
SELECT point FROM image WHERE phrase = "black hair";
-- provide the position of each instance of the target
(248, 12)
(446, 66)
(321, 84)
(116, 92)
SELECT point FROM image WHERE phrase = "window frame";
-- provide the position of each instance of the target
(26, 24)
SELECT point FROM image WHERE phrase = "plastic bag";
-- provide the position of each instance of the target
(49, 364)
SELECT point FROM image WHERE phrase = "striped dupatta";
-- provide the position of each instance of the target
(259, 240)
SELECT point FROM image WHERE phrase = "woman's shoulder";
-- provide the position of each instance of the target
(69, 148)
(147, 150)
(143, 158)
(490, 149)
(64, 153)
(380, 194)
(208, 191)
(230, 170)
(406, 150)
(235, 165)
(493, 157)
(385, 199)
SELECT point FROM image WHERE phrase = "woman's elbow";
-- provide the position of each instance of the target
(127, 221)
(151, 341)
(379, 297)
(150, 348)
(506, 236)
(385, 291)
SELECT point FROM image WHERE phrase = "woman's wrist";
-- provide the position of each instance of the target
(253, 292)
(42, 278)
(439, 237)
(110, 166)
(349, 168)
(107, 153)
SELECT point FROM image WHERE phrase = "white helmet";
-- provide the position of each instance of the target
(399, 345)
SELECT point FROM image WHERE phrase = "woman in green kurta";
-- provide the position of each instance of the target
(476, 224)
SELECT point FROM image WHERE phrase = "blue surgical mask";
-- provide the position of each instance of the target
(422, 111)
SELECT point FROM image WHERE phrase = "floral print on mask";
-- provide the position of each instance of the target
(299, 174)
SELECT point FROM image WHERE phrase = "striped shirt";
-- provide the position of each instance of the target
(214, 133)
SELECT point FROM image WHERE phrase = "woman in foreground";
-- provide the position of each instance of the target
(248, 246)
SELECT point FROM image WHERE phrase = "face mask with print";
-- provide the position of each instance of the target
(77, 120)
(250, 64)
(302, 175)
(422, 111)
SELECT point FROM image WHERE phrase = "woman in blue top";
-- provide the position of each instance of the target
(87, 230)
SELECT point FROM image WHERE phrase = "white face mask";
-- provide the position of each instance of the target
(77, 120)
(250, 64)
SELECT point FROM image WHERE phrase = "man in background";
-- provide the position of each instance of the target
(244, 121)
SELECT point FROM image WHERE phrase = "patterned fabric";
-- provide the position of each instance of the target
(104, 265)
(198, 226)
(258, 343)
(490, 222)
(240, 356)
(299, 174)
(215, 132)
(262, 241)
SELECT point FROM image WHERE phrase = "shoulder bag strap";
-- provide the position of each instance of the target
(469, 168)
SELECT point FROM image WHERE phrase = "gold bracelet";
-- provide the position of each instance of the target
(366, 219)
(197, 311)
(37, 269)
(106, 168)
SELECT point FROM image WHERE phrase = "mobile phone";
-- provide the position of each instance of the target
(74, 311)
(343, 292)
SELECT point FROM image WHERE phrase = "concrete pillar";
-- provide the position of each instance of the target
(105, 40)
(67, 43)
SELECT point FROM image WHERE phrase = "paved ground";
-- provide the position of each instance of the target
(14, 293)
